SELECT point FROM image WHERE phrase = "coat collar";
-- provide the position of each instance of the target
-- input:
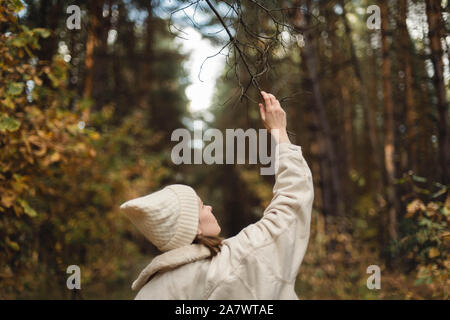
(170, 260)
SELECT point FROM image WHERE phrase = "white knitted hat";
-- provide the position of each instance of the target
(168, 217)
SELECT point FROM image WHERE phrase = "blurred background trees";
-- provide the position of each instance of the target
(86, 118)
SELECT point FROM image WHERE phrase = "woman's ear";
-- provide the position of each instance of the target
(199, 231)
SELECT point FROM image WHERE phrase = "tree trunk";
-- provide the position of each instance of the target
(344, 103)
(319, 164)
(95, 13)
(434, 33)
(406, 59)
(101, 90)
(49, 12)
(145, 71)
(389, 129)
(310, 54)
(369, 114)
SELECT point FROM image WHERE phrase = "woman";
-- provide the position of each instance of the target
(261, 262)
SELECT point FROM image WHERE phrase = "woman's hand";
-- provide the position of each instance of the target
(274, 117)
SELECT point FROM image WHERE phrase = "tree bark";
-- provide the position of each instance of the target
(389, 129)
(319, 165)
(344, 102)
(369, 114)
(95, 13)
(433, 11)
(310, 54)
(406, 59)
(145, 71)
(49, 12)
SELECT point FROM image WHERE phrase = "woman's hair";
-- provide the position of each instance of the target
(213, 243)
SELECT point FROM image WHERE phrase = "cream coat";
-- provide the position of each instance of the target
(261, 262)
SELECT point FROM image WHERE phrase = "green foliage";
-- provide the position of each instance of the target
(425, 237)
(8, 123)
(60, 183)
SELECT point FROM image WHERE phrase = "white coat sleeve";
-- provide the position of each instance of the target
(279, 240)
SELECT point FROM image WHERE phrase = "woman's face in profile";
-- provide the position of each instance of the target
(207, 223)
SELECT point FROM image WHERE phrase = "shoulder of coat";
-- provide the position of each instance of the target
(170, 260)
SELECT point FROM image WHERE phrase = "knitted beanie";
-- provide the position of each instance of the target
(168, 218)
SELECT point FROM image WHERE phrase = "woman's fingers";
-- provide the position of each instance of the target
(273, 115)
(262, 112)
(267, 100)
(273, 100)
(275, 103)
